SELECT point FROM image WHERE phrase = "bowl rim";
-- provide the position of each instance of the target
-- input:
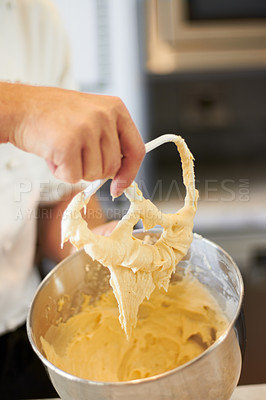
(162, 375)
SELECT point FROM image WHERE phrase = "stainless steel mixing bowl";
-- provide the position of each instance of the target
(211, 376)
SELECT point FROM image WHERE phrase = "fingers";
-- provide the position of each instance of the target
(111, 153)
(88, 142)
(102, 158)
(52, 167)
(96, 159)
(133, 152)
(92, 163)
(70, 169)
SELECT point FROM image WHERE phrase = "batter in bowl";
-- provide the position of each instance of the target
(176, 324)
(173, 328)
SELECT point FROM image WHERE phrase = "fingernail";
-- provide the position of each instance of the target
(115, 189)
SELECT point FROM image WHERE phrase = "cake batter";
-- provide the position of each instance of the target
(173, 328)
(138, 268)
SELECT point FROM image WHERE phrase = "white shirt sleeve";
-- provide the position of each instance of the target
(37, 50)
(34, 49)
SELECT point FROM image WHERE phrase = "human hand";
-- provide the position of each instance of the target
(104, 230)
(81, 136)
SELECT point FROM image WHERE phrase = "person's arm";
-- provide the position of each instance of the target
(81, 136)
(49, 228)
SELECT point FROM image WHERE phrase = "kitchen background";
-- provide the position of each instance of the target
(196, 68)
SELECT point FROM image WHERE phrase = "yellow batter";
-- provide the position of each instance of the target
(137, 268)
(172, 328)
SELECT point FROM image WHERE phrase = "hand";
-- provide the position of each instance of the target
(104, 230)
(81, 136)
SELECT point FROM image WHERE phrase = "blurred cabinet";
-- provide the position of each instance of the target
(221, 115)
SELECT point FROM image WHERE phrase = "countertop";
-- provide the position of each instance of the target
(249, 392)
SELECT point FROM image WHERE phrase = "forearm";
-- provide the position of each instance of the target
(10, 110)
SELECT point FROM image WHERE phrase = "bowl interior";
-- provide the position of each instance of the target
(60, 295)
